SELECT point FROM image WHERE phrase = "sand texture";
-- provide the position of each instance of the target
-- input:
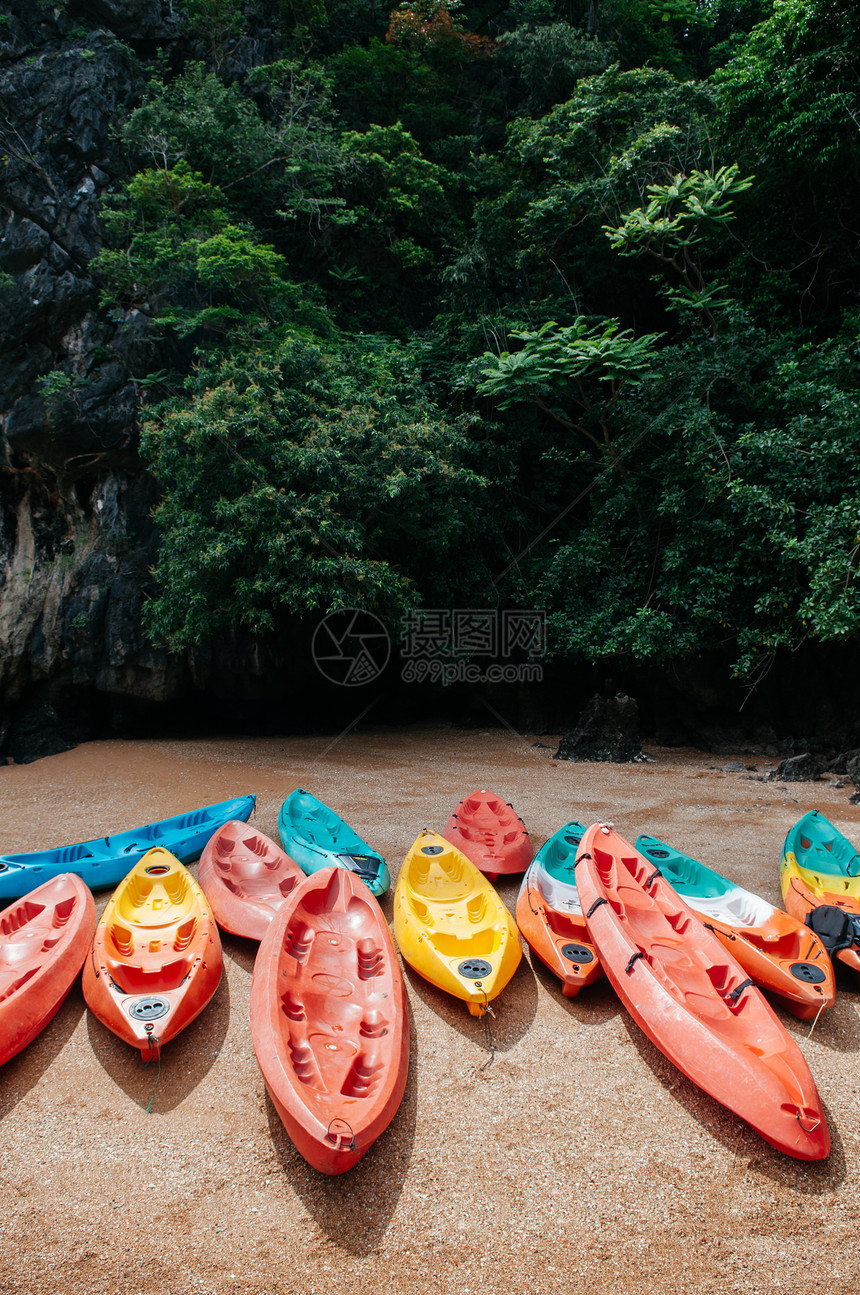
(579, 1160)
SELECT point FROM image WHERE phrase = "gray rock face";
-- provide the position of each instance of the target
(606, 731)
(798, 768)
(76, 540)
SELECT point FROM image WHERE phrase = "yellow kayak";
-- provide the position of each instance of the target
(451, 926)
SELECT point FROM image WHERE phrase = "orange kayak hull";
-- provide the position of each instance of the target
(329, 1019)
(156, 957)
(560, 940)
(44, 939)
(246, 878)
(491, 834)
(775, 954)
(693, 999)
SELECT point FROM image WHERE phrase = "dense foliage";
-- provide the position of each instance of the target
(555, 305)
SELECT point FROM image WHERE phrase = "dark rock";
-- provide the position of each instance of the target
(799, 768)
(852, 767)
(607, 730)
(734, 766)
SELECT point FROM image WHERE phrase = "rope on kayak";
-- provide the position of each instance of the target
(335, 1137)
(93, 957)
(815, 1022)
(529, 897)
(800, 1122)
(153, 1045)
(490, 1044)
(601, 900)
(638, 954)
(735, 993)
(654, 875)
(580, 859)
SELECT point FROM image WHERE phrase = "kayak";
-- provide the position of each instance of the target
(693, 999)
(549, 912)
(246, 878)
(106, 861)
(44, 939)
(156, 956)
(316, 837)
(490, 833)
(329, 1019)
(451, 926)
(820, 869)
(782, 956)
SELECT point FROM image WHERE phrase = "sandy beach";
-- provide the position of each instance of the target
(578, 1159)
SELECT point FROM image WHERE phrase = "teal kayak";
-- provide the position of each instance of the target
(316, 837)
(104, 862)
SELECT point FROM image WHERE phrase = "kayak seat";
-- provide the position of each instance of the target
(678, 921)
(371, 961)
(135, 979)
(477, 942)
(185, 934)
(21, 914)
(121, 938)
(373, 1024)
(420, 909)
(176, 886)
(62, 912)
(364, 1075)
(16, 983)
(136, 893)
(476, 907)
(293, 1007)
(305, 1063)
(299, 941)
(224, 847)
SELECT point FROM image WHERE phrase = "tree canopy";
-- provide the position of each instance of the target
(555, 303)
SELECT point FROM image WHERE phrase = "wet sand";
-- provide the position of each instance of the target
(579, 1159)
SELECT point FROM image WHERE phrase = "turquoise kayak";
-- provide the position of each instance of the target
(316, 837)
(106, 861)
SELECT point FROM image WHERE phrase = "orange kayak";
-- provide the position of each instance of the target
(44, 939)
(156, 956)
(549, 912)
(246, 879)
(329, 1019)
(490, 833)
(783, 957)
(693, 1000)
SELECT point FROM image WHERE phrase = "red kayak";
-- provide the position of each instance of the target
(44, 939)
(491, 834)
(693, 1000)
(246, 878)
(329, 1019)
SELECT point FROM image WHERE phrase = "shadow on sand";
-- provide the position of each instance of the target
(25, 1069)
(355, 1208)
(813, 1178)
(513, 1010)
(185, 1060)
(593, 1005)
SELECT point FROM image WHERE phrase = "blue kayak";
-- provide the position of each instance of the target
(316, 837)
(106, 861)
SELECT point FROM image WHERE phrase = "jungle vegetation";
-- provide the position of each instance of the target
(545, 303)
